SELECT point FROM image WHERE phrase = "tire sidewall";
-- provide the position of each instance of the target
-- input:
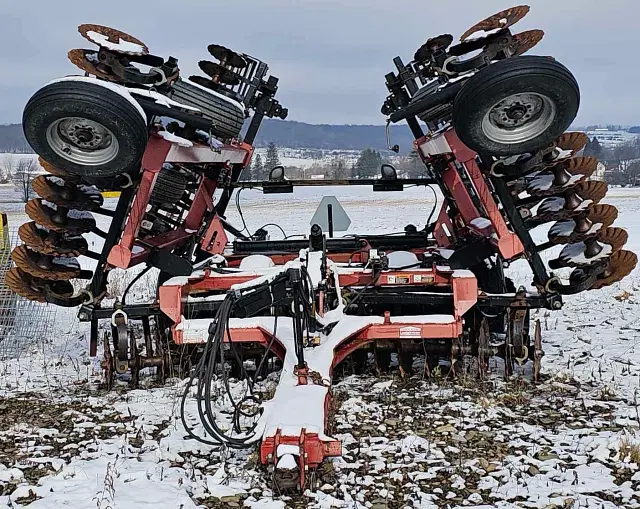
(95, 103)
(477, 98)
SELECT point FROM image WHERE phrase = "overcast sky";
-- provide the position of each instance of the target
(331, 56)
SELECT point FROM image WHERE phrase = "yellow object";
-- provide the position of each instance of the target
(110, 194)
(5, 241)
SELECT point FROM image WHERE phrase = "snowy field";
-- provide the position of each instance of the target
(572, 441)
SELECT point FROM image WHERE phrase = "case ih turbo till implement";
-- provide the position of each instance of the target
(495, 145)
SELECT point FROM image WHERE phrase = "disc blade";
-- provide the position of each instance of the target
(441, 42)
(500, 20)
(583, 254)
(45, 266)
(53, 170)
(34, 289)
(579, 168)
(524, 41)
(219, 73)
(57, 191)
(113, 40)
(619, 266)
(50, 243)
(566, 232)
(592, 190)
(205, 82)
(573, 141)
(586, 193)
(76, 222)
(227, 57)
(87, 61)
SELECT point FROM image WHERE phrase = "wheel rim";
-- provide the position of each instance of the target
(519, 118)
(82, 141)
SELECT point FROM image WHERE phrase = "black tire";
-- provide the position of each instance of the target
(227, 117)
(552, 83)
(42, 122)
(438, 113)
(169, 187)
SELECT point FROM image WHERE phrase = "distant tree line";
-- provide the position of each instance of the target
(368, 165)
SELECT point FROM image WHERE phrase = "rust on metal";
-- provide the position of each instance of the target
(49, 168)
(87, 61)
(67, 195)
(113, 36)
(57, 220)
(35, 289)
(51, 243)
(501, 20)
(218, 73)
(573, 141)
(619, 266)
(593, 190)
(227, 57)
(524, 41)
(45, 266)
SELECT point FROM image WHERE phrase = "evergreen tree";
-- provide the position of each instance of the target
(368, 164)
(257, 169)
(273, 159)
(338, 169)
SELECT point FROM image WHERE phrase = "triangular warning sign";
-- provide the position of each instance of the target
(340, 219)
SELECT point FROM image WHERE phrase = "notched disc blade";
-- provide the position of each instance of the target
(574, 142)
(205, 82)
(592, 190)
(33, 288)
(441, 42)
(227, 57)
(51, 243)
(583, 254)
(218, 73)
(588, 193)
(580, 165)
(76, 222)
(87, 61)
(113, 40)
(614, 237)
(619, 266)
(45, 266)
(500, 20)
(54, 190)
(600, 216)
(603, 214)
(53, 170)
(524, 41)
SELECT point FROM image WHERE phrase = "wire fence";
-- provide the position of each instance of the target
(23, 323)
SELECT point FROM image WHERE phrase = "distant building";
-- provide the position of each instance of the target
(599, 173)
(612, 139)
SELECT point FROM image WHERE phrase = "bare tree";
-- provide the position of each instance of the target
(7, 161)
(26, 171)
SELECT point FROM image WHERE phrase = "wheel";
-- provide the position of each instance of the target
(227, 115)
(442, 112)
(516, 105)
(169, 187)
(85, 128)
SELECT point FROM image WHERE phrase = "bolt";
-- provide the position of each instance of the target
(83, 316)
(557, 305)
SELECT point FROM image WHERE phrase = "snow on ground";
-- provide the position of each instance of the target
(571, 441)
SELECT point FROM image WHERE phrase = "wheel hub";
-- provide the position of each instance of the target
(82, 141)
(518, 118)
